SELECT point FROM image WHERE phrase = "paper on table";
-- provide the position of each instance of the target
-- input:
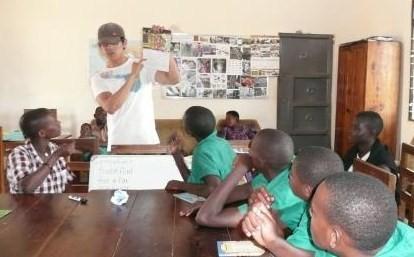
(132, 172)
(238, 248)
(4, 213)
(190, 198)
(156, 60)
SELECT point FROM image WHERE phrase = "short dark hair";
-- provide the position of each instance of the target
(31, 122)
(373, 120)
(99, 109)
(362, 206)
(313, 164)
(86, 124)
(199, 122)
(233, 114)
(276, 147)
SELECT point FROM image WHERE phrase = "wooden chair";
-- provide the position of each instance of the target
(166, 127)
(241, 146)
(250, 123)
(405, 185)
(386, 177)
(80, 169)
(139, 149)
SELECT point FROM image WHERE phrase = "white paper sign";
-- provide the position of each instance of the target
(156, 60)
(132, 172)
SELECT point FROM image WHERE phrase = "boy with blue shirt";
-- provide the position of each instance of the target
(271, 154)
(212, 157)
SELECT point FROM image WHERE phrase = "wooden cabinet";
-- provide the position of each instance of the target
(368, 80)
(304, 88)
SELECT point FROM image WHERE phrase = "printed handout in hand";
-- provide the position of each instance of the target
(156, 49)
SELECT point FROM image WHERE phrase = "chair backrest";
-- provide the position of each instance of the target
(406, 185)
(250, 123)
(386, 177)
(89, 144)
(240, 146)
(80, 168)
(80, 182)
(166, 127)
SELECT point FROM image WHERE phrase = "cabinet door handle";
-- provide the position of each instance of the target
(310, 91)
(303, 55)
(308, 117)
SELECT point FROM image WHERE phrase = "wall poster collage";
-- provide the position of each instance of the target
(223, 67)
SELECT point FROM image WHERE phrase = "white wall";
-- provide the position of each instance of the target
(394, 18)
(44, 46)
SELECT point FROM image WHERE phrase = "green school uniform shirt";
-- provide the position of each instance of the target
(301, 237)
(212, 156)
(288, 205)
(401, 243)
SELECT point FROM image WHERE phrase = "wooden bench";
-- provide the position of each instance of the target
(250, 123)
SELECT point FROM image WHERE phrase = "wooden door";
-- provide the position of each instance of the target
(382, 87)
(350, 92)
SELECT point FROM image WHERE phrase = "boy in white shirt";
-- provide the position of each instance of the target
(124, 89)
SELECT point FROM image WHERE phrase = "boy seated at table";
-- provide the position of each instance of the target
(365, 130)
(271, 155)
(352, 214)
(212, 157)
(39, 166)
(86, 130)
(310, 167)
(97, 129)
(233, 130)
(99, 126)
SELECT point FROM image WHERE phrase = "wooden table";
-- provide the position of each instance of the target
(148, 225)
(139, 149)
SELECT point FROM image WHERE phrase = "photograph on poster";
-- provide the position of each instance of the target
(204, 65)
(219, 65)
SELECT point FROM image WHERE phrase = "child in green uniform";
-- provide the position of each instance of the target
(212, 157)
(270, 154)
(310, 167)
(353, 215)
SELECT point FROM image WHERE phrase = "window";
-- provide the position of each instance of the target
(411, 103)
